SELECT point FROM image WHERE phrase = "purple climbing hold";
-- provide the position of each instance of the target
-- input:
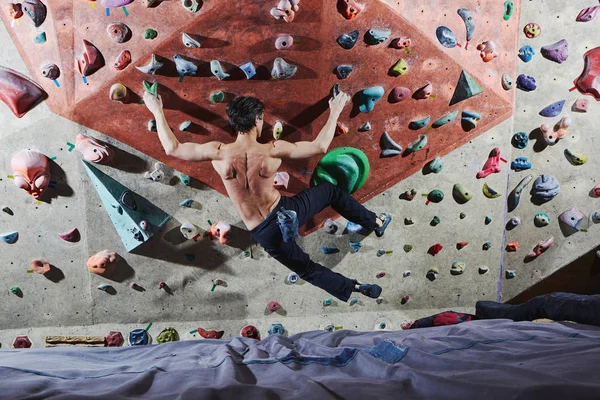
(399, 94)
(557, 52)
(587, 14)
(553, 109)
(526, 83)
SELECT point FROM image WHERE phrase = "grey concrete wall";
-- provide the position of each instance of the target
(48, 307)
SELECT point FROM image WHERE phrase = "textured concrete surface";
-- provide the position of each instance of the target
(47, 307)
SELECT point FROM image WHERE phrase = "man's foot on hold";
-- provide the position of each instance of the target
(383, 221)
(372, 291)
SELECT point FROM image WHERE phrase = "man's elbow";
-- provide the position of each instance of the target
(321, 149)
(171, 151)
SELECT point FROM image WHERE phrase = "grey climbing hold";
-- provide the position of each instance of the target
(514, 222)
(469, 19)
(185, 126)
(419, 124)
(458, 267)
(377, 36)
(514, 198)
(330, 226)
(446, 119)
(184, 67)
(248, 69)
(507, 82)
(572, 218)
(406, 274)
(418, 144)
(510, 273)
(365, 127)
(189, 41)
(596, 217)
(483, 270)
(557, 52)
(343, 71)
(283, 70)
(545, 188)
(348, 40)
(553, 109)
(466, 88)
(152, 66)
(192, 5)
(446, 36)
(389, 148)
(217, 70)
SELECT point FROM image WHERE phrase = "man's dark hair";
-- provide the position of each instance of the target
(242, 112)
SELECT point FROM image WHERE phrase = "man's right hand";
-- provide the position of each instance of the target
(153, 103)
(337, 103)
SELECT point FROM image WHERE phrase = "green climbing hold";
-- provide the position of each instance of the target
(345, 167)
(488, 220)
(446, 119)
(15, 290)
(377, 36)
(435, 196)
(435, 221)
(151, 88)
(419, 123)
(8, 211)
(368, 98)
(460, 194)
(186, 180)
(487, 246)
(150, 34)
(417, 144)
(40, 38)
(167, 335)
(509, 7)
(465, 88)
(400, 68)
(185, 126)
(408, 248)
(217, 97)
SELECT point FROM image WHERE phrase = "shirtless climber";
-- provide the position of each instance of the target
(247, 169)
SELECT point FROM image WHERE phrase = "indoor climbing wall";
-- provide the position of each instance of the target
(446, 72)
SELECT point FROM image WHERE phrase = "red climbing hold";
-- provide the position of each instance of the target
(435, 249)
(274, 306)
(251, 332)
(492, 165)
(114, 339)
(588, 82)
(22, 342)
(460, 245)
(210, 334)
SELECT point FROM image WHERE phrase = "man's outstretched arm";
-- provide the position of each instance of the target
(304, 149)
(185, 151)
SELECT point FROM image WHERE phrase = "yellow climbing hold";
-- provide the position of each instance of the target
(489, 192)
(400, 68)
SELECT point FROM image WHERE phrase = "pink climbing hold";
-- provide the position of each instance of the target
(581, 105)
(281, 180)
(399, 94)
(380, 274)
(274, 306)
(541, 247)
(400, 43)
(588, 82)
(492, 165)
(587, 14)
(72, 236)
(461, 245)
(487, 51)
(405, 299)
(423, 93)
(162, 285)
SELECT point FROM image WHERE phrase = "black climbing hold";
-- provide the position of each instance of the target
(348, 40)
(343, 71)
(128, 200)
(465, 88)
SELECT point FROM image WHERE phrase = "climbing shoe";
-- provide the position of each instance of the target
(372, 291)
(386, 218)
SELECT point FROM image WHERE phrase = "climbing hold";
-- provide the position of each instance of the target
(185, 125)
(557, 52)
(248, 69)
(349, 8)
(532, 30)
(167, 335)
(446, 37)
(545, 188)
(122, 60)
(150, 34)
(541, 219)
(327, 302)
(152, 66)
(458, 267)
(377, 36)
(144, 225)
(15, 11)
(432, 274)
(408, 221)
(330, 250)
(596, 219)
(10, 212)
(139, 337)
(460, 194)
(419, 124)
(526, 83)
(486, 246)
(292, 278)
(31, 172)
(576, 158)
(553, 109)
(595, 190)
(365, 127)
(152, 125)
(405, 299)
(22, 342)
(424, 92)
(587, 14)
(184, 67)
(105, 287)
(462, 215)
(435, 221)
(282, 70)
(217, 70)
(348, 40)
(407, 248)
(406, 274)
(520, 140)
(520, 164)
(507, 82)
(40, 38)
(284, 42)
(541, 247)
(189, 41)
(40, 266)
(560, 130)
(380, 275)
(465, 88)
(119, 32)
(487, 51)
(72, 236)
(276, 329)
(217, 97)
(343, 71)
(468, 18)
(526, 53)
(581, 105)
(330, 226)
(509, 8)
(157, 174)
(221, 231)
(36, 10)
(417, 144)
(151, 88)
(512, 247)
(461, 245)
(389, 148)
(102, 262)
(191, 5)
(341, 129)
(446, 119)
(483, 270)
(274, 306)
(50, 71)
(114, 339)
(513, 222)
(346, 167)
(408, 195)
(572, 218)
(510, 273)
(281, 180)
(118, 92)
(514, 198)
(399, 94)
(436, 165)
(401, 43)
(469, 120)
(435, 196)
(18, 92)
(286, 10)
(210, 334)
(277, 130)
(368, 98)
(353, 228)
(492, 165)
(399, 68)
(435, 249)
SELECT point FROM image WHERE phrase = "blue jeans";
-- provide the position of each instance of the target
(306, 205)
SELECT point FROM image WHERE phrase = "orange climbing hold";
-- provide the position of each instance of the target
(461, 245)
(512, 247)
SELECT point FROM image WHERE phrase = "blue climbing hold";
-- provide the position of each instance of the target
(553, 109)
(138, 337)
(355, 246)
(10, 237)
(276, 329)
(248, 69)
(526, 83)
(353, 228)
(446, 119)
(368, 98)
(187, 203)
(520, 164)
(526, 53)
(520, 140)
(469, 120)
(419, 123)
(446, 36)
(330, 250)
